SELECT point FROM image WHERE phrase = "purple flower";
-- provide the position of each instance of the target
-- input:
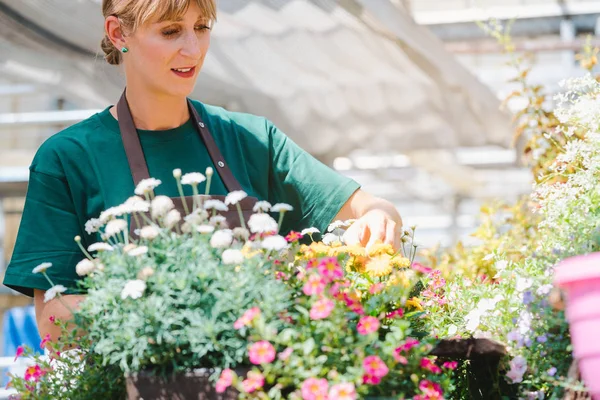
(528, 342)
(552, 371)
(527, 297)
(542, 339)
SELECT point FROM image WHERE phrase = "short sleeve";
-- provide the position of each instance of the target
(46, 234)
(316, 191)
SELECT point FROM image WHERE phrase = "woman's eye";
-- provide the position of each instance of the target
(202, 27)
(170, 32)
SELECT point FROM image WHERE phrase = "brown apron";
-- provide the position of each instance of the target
(139, 168)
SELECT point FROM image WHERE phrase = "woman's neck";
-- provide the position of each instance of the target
(154, 112)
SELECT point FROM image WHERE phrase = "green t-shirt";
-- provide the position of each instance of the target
(83, 170)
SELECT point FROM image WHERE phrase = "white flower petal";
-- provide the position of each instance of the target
(261, 206)
(146, 186)
(53, 292)
(235, 197)
(41, 268)
(85, 267)
(232, 257)
(262, 223)
(274, 243)
(134, 289)
(281, 207)
(221, 239)
(192, 178)
(100, 246)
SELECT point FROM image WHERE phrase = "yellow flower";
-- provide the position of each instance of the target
(399, 278)
(379, 266)
(400, 262)
(379, 249)
(315, 249)
(414, 303)
(249, 252)
(356, 264)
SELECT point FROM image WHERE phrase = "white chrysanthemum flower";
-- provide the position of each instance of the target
(146, 186)
(135, 204)
(53, 292)
(138, 251)
(275, 243)
(261, 223)
(100, 246)
(111, 213)
(176, 173)
(134, 289)
(309, 231)
(281, 207)
(232, 257)
(193, 178)
(93, 225)
(213, 204)
(149, 232)
(221, 239)
(235, 197)
(261, 206)
(197, 217)
(205, 229)
(218, 221)
(115, 226)
(330, 238)
(241, 233)
(146, 273)
(173, 217)
(161, 205)
(85, 267)
(339, 224)
(41, 268)
(209, 171)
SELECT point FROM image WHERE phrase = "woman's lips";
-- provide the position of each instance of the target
(186, 74)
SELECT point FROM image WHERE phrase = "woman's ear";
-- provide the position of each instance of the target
(113, 30)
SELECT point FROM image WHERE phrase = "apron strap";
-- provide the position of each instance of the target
(135, 154)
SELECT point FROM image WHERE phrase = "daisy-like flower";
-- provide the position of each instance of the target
(274, 243)
(246, 318)
(146, 186)
(330, 268)
(218, 221)
(235, 197)
(161, 205)
(241, 233)
(85, 267)
(284, 355)
(321, 309)
(309, 231)
(314, 286)
(41, 268)
(221, 239)
(262, 223)
(172, 218)
(261, 206)
(373, 366)
(343, 391)
(261, 352)
(281, 207)
(115, 227)
(100, 246)
(134, 289)
(217, 205)
(224, 381)
(53, 292)
(135, 204)
(379, 266)
(93, 225)
(254, 382)
(193, 178)
(429, 365)
(314, 388)
(205, 229)
(146, 273)
(293, 236)
(232, 257)
(138, 251)
(367, 325)
(149, 232)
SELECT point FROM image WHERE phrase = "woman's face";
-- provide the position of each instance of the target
(166, 57)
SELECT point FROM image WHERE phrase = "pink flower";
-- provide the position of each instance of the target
(52, 318)
(34, 373)
(376, 288)
(44, 341)
(321, 309)
(421, 268)
(261, 352)
(431, 391)
(314, 286)
(399, 357)
(284, 355)
(247, 318)
(367, 325)
(353, 304)
(428, 293)
(330, 268)
(254, 381)
(450, 365)
(342, 391)
(429, 365)
(20, 351)
(396, 313)
(293, 236)
(408, 344)
(371, 380)
(373, 366)
(282, 276)
(225, 380)
(438, 282)
(313, 389)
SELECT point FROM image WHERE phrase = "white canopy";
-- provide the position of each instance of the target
(334, 75)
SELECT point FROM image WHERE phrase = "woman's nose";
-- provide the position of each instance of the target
(191, 46)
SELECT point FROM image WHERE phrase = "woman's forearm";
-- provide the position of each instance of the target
(54, 309)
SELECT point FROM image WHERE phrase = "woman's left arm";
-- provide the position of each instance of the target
(376, 220)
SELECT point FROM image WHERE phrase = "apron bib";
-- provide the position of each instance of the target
(139, 168)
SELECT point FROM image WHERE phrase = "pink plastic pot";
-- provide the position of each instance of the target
(579, 277)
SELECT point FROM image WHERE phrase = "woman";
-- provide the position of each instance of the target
(95, 164)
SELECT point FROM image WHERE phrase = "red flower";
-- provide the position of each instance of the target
(429, 365)
(20, 351)
(371, 380)
(293, 236)
(450, 365)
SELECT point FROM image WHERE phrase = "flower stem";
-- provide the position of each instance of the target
(180, 190)
(281, 214)
(78, 241)
(196, 195)
(241, 214)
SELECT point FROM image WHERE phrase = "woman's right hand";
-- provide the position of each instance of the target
(54, 308)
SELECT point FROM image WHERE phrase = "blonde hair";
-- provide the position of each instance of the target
(133, 13)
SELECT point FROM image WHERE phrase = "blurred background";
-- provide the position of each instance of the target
(402, 95)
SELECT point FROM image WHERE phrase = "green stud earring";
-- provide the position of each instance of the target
(124, 49)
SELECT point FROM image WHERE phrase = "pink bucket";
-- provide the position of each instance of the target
(579, 277)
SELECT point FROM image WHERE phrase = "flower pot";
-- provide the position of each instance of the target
(579, 277)
(195, 385)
